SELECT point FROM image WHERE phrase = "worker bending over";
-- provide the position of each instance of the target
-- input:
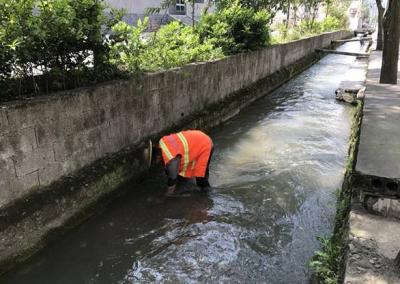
(185, 154)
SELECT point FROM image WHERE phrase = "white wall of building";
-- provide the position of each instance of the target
(139, 6)
(134, 6)
(199, 8)
(355, 14)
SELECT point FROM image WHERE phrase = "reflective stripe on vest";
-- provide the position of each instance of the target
(185, 154)
(165, 150)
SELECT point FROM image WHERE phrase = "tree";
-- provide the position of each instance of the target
(288, 14)
(311, 8)
(328, 5)
(236, 28)
(391, 38)
(272, 6)
(164, 6)
(381, 10)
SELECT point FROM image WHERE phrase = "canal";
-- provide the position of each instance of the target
(275, 170)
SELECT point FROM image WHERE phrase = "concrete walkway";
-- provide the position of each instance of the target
(379, 149)
(374, 241)
(373, 246)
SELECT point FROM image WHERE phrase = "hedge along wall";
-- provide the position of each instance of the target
(45, 138)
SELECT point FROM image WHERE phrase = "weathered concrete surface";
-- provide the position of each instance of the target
(379, 152)
(122, 113)
(379, 149)
(358, 55)
(374, 241)
(351, 86)
(378, 167)
(373, 246)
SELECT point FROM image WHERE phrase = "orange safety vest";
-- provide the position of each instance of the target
(194, 147)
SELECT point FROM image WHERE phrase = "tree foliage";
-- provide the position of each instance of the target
(49, 45)
(54, 39)
(236, 28)
(228, 31)
(308, 24)
(272, 6)
(171, 46)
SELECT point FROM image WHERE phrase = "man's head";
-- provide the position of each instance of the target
(151, 154)
(148, 154)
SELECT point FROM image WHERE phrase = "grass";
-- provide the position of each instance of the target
(328, 262)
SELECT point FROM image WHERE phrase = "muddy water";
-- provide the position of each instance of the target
(275, 170)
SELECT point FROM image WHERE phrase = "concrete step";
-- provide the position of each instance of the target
(374, 243)
(377, 171)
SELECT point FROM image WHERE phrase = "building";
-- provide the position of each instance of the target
(181, 10)
(355, 15)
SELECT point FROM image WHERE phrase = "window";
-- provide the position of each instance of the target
(180, 6)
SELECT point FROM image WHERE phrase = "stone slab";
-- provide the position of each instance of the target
(351, 85)
(373, 245)
(379, 148)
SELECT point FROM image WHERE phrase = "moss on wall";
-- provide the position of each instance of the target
(328, 263)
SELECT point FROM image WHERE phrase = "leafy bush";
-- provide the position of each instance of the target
(326, 261)
(171, 46)
(309, 28)
(330, 24)
(127, 47)
(285, 34)
(231, 30)
(236, 28)
(306, 28)
(175, 45)
(339, 12)
(51, 44)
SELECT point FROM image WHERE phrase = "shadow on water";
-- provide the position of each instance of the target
(275, 169)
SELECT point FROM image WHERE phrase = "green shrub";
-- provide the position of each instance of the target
(307, 28)
(325, 261)
(236, 29)
(51, 45)
(339, 12)
(127, 47)
(330, 24)
(171, 46)
(176, 45)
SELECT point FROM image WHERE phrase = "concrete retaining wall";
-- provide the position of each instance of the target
(45, 138)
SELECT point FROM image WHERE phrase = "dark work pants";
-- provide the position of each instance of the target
(203, 181)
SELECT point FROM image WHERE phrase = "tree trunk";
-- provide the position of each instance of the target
(391, 37)
(288, 15)
(379, 40)
(193, 7)
(397, 260)
(314, 14)
(327, 8)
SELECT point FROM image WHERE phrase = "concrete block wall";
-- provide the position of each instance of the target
(45, 138)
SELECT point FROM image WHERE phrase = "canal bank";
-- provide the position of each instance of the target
(374, 226)
(365, 245)
(276, 167)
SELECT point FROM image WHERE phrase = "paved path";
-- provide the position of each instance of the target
(379, 149)
(374, 241)
(373, 245)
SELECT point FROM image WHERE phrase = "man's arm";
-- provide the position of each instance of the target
(172, 170)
